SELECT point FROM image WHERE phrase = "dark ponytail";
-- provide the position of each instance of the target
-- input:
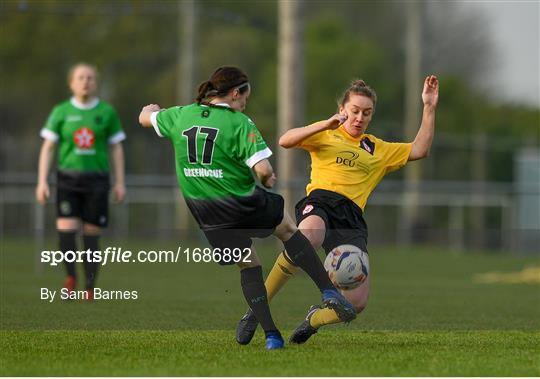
(223, 80)
(204, 90)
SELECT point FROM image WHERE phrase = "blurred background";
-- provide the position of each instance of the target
(479, 189)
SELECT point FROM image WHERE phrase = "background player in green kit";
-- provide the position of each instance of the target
(217, 149)
(86, 130)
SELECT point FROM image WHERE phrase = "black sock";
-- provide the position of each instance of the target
(90, 268)
(255, 293)
(66, 241)
(304, 256)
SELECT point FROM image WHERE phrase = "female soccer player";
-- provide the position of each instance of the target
(216, 149)
(347, 164)
(86, 130)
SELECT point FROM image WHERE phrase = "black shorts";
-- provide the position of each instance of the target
(342, 218)
(84, 196)
(90, 207)
(256, 221)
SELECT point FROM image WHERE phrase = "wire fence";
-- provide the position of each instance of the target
(452, 214)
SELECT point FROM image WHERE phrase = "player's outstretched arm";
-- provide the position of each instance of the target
(265, 173)
(44, 165)
(422, 143)
(146, 112)
(295, 136)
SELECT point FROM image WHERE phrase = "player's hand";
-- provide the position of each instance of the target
(42, 193)
(119, 193)
(151, 108)
(145, 117)
(336, 120)
(430, 94)
(270, 182)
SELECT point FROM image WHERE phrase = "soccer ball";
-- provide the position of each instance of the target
(347, 266)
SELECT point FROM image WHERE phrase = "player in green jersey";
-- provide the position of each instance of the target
(86, 131)
(217, 150)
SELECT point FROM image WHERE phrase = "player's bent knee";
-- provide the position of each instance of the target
(315, 237)
(313, 227)
(286, 229)
(67, 223)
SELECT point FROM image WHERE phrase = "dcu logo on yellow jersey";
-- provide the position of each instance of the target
(347, 158)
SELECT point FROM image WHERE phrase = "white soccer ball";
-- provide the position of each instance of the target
(347, 266)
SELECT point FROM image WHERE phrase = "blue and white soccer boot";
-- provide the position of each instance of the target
(302, 333)
(274, 341)
(333, 299)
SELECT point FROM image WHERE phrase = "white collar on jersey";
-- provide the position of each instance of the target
(222, 105)
(84, 106)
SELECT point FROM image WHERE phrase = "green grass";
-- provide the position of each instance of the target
(426, 316)
(214, 353)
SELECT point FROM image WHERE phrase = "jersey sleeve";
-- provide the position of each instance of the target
(51, 130)
(251, 146)
(164, 120)
(312, 142)
(395, 155)
(115, 132)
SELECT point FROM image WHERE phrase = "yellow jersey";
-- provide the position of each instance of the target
(351, 166)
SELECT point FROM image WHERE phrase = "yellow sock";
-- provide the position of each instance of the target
(282, 271)
(324, 316)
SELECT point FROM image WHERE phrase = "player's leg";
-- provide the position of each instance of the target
(95, 217)
(357, 296)
(303, 255)
(281, 272)
(311, 218)
(68, 204)
(345, 226)
(318, 317)
(251, 278)
(67, 233)
(314, 229)
(301, 252)
(299, 249)
(254, 291)
(91, 234)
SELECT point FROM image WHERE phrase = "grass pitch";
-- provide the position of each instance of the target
(427, 316)
(214, 353)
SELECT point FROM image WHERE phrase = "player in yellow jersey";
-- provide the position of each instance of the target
(346, 165)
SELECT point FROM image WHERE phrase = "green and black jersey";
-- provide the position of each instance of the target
(83, 133)
(215, 148)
